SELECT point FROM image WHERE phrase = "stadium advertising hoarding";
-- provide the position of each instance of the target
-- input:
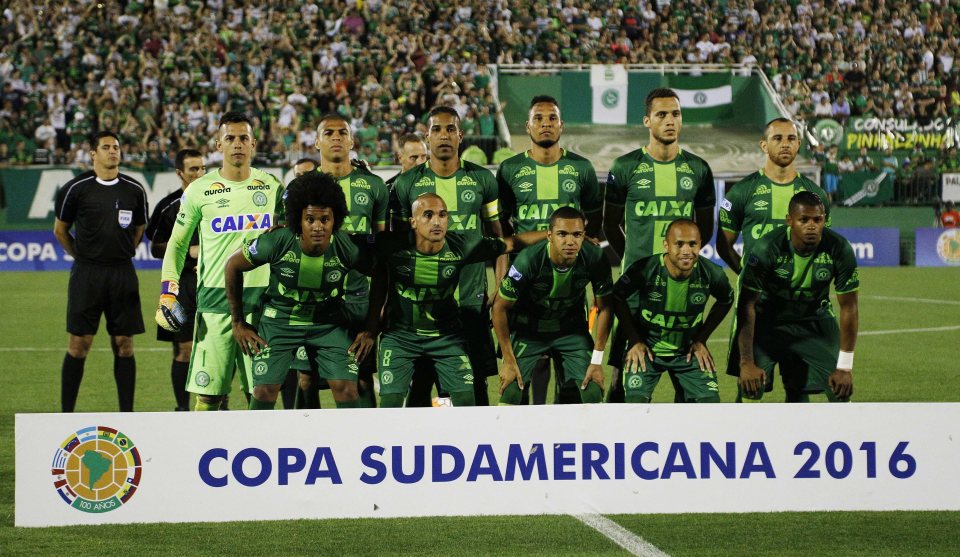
(39, 250)
(876, 134)
(127, 468)
(950, 183)
(938, 247)
(873, 247)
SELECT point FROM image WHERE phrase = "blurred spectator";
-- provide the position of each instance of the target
(864, 161)
(950, 217)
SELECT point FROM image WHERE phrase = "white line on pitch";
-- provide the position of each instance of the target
(920, 300)
(882, 332)
(620, 535)
(64, 349)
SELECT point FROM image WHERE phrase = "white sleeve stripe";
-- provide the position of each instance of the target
(62, 206)
(146, 216)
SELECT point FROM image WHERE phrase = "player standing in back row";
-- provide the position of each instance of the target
(647, 189)
(230, 208)
(534, 184)
(755, 206)
(469, 192)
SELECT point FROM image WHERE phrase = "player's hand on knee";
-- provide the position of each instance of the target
(636, 359)
(595, 374)
(170, 314)
(510, 372)
(841, 383)
(246, 336)
(752, 378)
(702, 353)
(362, 346)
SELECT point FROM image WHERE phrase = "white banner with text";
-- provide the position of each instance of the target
(127, 468)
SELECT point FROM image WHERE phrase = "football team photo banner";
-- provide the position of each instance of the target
(127, 468)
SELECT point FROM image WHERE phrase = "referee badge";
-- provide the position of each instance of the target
(124, 217)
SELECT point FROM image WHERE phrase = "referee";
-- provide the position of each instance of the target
(189, 166)
(108, 211)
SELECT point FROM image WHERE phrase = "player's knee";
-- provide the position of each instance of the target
(592, 394)
(208, 403)
(344, 391)
(465, 398)
(79, 346)
(306, 381)
(183, 351)
(511, 395)
(266, 393)
(122, 346)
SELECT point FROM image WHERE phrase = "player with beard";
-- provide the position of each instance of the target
(647, 189)
(534, 184)
(754, 207)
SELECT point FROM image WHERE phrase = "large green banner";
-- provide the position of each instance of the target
(901, 135)
(866, 188)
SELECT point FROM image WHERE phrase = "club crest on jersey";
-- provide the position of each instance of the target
(361, 198)
(259, 199)
(468, 195)
(823, 274)
(124, 218)
(229, 224)
(449, 271)
(698, 298)
(686, 183)
(334, 276)
(569, 186)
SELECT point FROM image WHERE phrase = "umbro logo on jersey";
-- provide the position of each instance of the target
(782, 272)
(223, 203)
(684, 169)
(525, 187)
(644, 183)
(762, 204)
(642, 168)
(656, 296)
(762, 190)
(402, 270)
(466, 181)
(286, 272)
(568, 169)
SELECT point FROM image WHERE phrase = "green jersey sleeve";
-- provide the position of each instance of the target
(731, 210)
(591, 195)
(706, 195)
(616, 185)
(362, 255)
(630, 281)
(482, 248)
(179, 242)
(720, 287)
(758, 266)
(262, 249)
(518, 277)
(507, 198)
(846, 276)
(601, 277)
(381, 204)
(490, 210)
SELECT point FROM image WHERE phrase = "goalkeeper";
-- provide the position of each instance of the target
(229, 207)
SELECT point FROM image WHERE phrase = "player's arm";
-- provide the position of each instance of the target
(591, 200)
(519, 241)
(638, 353)
(752, 378)
(704, 203)
(604, 322)
(138, 234)
(612, 221)
(703, 216)
(841, 380)
(510, 370)
(698, 349)
(61, 230)
(365, 340)
(244, 333)
(725, 241)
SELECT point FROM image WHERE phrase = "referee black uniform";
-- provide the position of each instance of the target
(106, 216)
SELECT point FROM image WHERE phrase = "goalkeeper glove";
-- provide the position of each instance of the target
(170, 314)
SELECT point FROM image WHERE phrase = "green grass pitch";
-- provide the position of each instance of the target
(910, 333)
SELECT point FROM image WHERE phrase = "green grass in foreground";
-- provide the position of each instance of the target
(891, 366)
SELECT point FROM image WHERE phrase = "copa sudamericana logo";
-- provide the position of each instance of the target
(97, 469)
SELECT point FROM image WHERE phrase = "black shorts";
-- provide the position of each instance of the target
(111, 290)
(188, 299)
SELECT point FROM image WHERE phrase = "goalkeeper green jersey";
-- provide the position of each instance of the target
(653, 194)
(471, 195)
(794, 287)
(549, 299)
(756, 205)
(228, 216)
(305, 289)
(530, 192)
(425, 294)
(671, 311)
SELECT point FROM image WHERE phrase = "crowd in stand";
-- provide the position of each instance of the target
(162, 72)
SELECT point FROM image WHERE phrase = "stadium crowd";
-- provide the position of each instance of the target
(162, 73)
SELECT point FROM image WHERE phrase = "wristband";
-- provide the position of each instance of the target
(597, 358)
(845, 361)
(169, 287)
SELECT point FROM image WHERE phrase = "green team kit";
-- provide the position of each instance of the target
(549, 312)
(669, 314)
(304, 303)
(752, 208)
(530, 192)
(757, 205)
(470, 195)
(422, 316)
(653, 194)
(228, 215)
(795, 319)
